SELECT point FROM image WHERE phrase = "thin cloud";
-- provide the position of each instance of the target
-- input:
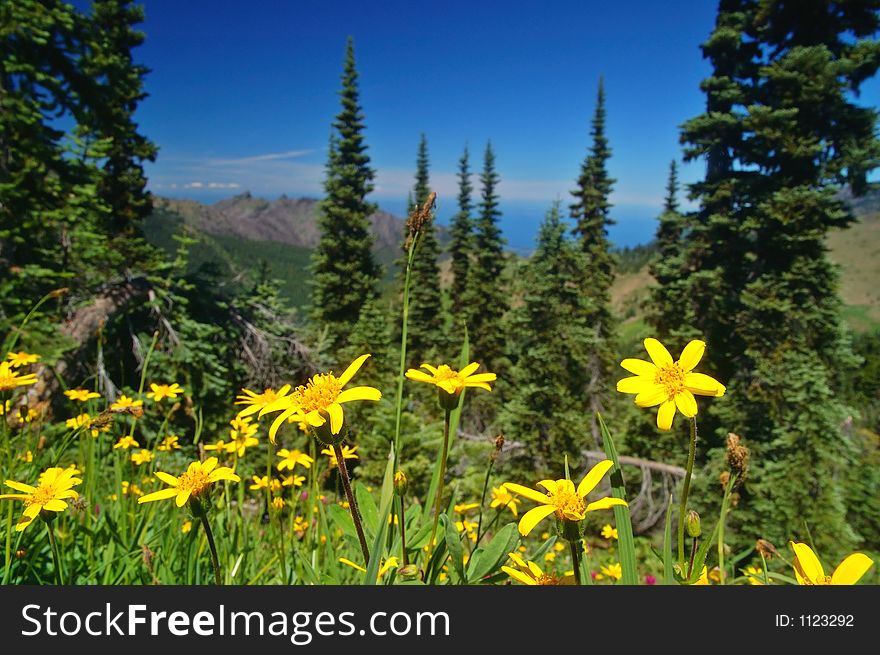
(269, 156)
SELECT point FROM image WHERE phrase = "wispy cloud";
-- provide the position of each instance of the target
(270, 156)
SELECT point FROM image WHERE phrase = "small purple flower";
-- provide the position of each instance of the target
(650, 579)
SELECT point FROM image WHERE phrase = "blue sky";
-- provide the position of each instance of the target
(242, 94)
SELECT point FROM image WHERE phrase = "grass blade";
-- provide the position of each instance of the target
(626, 541)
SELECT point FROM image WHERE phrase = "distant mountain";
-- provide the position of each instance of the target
(292, 221)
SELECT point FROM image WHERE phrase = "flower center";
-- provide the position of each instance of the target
(195, 482)
(568, 504)
(546, 579)
(320, 392)
(41, 496)
(671, 377)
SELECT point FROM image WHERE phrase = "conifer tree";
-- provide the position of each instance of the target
(590, 210)
(549, 353)
(461, 243)
(425, 326)
(780, 135)
(486, 288)
(344, 270)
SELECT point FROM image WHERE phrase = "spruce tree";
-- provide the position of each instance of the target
(486, 295)
(344, 270)
(425, 335)
(590, 210)
(781, 134)
(549, 353)
(461, 246)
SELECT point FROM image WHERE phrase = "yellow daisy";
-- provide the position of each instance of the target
(347, 453)
(319, 402)
(159, 391)
(21, 358)
(9, 379)
(531, 574)
(125, 443)
(82, 395)
(502, 498)
(54, 488)
(290, 458)
(808, 569)
(563, 499)
(169, 443)
(449, 382)
(667, 383)
(257, 401)
(124, 402)
(608, 532)
(194, 483)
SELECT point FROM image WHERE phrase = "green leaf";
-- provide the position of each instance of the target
(702, 553)
(494, 554)
(453, 544)
(625, 540)
(385, 500)
(367, 507)
(342, 518)
(668, 571)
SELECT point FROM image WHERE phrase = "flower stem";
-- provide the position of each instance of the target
(405, 559)
(438, 501)
(693, 556)
(576, 561)
(483, 497)
(725, 504)
(215, 561)
(55, 559)
(682, 507)
(352, 504)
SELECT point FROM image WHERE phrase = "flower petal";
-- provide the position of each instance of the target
(353, 368)
(477, 385)
(686, 403)
(531, 494)
(55, 505)
(20, 486)
(549, 485)
(653, 396)
(519, 576)
(851, 569)
(703, 385)
(166, 478)
(691, 355)
(469, 369)
(419, 376)
(162, 494)
(593, 476)
(223, 473)
(279, 420)
(359, 393)
(658, 353)
(806, 564)
(534, 516)
(637, 384)
(665, 415)
(431, 369)
(605, 503)
(336, 416)
(209, 465)
(182, 497)
(639, 367)
(482, 377)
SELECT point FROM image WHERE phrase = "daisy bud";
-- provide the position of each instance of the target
(400, 483)
(693, 524)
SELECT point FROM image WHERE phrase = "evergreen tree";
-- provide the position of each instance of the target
(108, 61)
(590, 210)
(668, 261)
(461, 246)
(486, 295)
(425, 334)
(344, 270)
(780, 135)
(549, 353)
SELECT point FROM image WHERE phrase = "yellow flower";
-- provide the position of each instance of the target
(9, 379)
(386, 566)
(195, 482)
(608, 532)
(54, 487)
(808, 569)
(142, 457)
(450, 382)
(613, 571)
(128, 487)
(277, 503)
(754, 575)
(160, 391)
(220, 446)
(125, 443)
(530, 573)
(704, 577)
(321, 401)
(502, 498)
(186, 527)
(667, 383)
(28, 457)
(300, 525)
(257, 401)
(461, 508)
(259, 482)
(241, 436)
(467, 527)
(82, 395)
(290, 458)
(347, 453)
(563, 499)
(21, 358)
(124, 403)
(293, 480)
(169, 443)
